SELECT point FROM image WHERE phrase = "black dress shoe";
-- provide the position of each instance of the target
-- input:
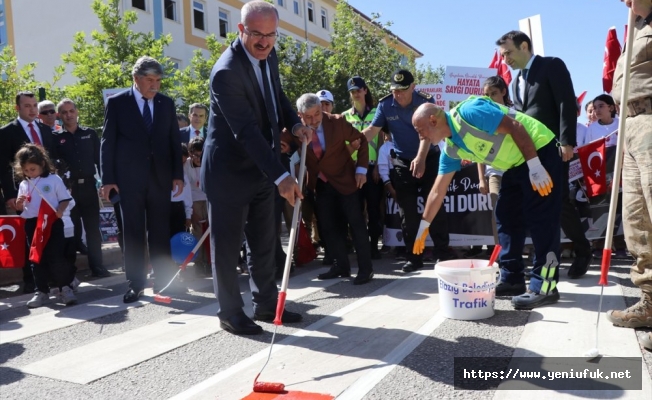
(334, 273)
(132, 295)
(100, 273)
(363, 277)
(510, 289)
(288, 317)
(411, 267)
(579, 267)
(240, 324)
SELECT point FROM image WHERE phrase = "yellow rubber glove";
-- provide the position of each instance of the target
(539, 177)
(422, 234)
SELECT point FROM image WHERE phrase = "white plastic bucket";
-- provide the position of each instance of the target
(467, 293)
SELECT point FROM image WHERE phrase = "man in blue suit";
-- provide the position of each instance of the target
(241, 167)
(141, 162)
(197, 114)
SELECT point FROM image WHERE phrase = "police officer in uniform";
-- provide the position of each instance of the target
(415, 164)
(79, 148)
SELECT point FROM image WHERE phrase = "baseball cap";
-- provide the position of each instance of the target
(355, 83)
(401, 79)
(325, 95)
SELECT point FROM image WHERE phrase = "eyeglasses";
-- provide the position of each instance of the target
(195, 155)
(47, 112)
(257, 35)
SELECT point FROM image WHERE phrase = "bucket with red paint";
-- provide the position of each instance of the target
(467, 288)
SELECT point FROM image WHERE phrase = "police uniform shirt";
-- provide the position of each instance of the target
(481, 113)
(80, 150)
(399, 120)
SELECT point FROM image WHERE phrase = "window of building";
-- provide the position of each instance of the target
(176, 64)
(170, 9)
(297, 9)
(224, 23)
(140, 4)
(280, 3)
(311, 12)
(324, 18)
(198, 15)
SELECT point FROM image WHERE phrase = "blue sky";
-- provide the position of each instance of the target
(463, 32)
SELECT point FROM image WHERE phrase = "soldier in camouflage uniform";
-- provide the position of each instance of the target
(637, 169)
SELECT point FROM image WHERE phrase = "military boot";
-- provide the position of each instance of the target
(637, 316)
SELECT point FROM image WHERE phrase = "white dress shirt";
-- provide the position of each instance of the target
(141, 102)
(28, 131)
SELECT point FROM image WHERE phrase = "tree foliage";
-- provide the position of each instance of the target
(105, 61)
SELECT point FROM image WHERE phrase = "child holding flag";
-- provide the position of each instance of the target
(43, 198)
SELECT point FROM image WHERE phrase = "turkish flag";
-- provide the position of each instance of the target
(12, 241)
(46, 217)
(611, 53)
(502, 68)
(594, 166)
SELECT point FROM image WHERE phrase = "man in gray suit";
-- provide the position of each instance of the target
(241, 167)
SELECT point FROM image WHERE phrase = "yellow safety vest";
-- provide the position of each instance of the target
(354, 119)
(499, 151)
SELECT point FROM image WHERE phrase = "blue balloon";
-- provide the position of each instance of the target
(181, 245)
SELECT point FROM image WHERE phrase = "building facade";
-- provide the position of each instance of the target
(41, 31)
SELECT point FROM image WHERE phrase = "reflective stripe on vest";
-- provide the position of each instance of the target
(499, 150)
(352, 117)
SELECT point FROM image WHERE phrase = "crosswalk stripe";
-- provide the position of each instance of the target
(574, 335)
(331, 354)
(22, 328)
(93, 361)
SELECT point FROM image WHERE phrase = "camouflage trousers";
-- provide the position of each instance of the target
(637, 197)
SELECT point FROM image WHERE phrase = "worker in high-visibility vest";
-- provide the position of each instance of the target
(530, 194)
(360, 116)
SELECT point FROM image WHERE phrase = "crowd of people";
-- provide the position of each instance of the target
(230, 168)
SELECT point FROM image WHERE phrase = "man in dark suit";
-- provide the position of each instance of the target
(140, 158)
(197, 114)
(335, 179)
(24, 129)
(241, 167)
(544, 90)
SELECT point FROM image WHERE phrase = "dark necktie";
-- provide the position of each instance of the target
(147, 116)
(196, 132)
(35, 138)
(521, 84)
(269, 102)
(319, 151)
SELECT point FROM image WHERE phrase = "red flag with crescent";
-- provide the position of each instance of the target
(502, 69)
(611, 53)
(12, 241)
(46, 217)
(594, 166)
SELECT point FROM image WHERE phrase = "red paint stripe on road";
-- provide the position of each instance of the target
(288, 395)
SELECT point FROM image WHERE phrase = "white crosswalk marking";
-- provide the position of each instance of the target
(358, 342)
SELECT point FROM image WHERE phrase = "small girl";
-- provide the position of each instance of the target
(606, 123)
(33, 165)
(199, 219)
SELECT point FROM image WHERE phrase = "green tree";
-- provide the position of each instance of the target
(17, 79)
(192, 83)
(302, 73)
(107, 59)
(427, 74)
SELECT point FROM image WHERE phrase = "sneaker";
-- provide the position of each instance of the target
(566, 253)
(38, 300)
(54, 291)
(637, 316)
(75, 285)
(530, 299)
(67, 297)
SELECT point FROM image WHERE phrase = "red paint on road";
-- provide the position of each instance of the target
(288, 395)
